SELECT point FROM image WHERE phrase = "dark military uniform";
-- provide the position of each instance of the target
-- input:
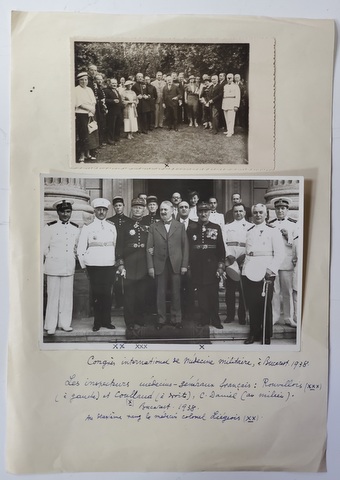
(131, 253)
(118, 220)
(207, 254)
(150, 219)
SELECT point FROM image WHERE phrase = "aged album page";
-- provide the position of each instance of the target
(132, 407)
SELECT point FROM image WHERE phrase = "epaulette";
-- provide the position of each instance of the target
(250, 228)
(74, 224)
(292, 220)
(109, 221)
(270, 226)
(52, 223)
(272, 221)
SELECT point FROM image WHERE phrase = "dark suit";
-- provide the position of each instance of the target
(170, 97)
(216, 96)
(114, 116)
(131, 253)
(167, 253)
(207, 254)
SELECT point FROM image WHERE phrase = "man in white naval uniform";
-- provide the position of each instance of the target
(96, 252)
(264, 255)
(283, 286)
(235, 234)
(230, 103)
(60, 241)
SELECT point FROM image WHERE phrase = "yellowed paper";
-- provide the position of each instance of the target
(107, 410)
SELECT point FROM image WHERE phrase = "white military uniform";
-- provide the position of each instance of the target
(60, 242)
(218, 218)
(283, 286)
(96, 246)
(235, 234)
(264, 250)
(231, 99)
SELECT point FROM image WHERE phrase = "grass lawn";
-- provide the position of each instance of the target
(189, 145)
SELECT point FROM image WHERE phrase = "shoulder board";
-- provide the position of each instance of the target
(272, 221)
(250, 228)
(52, 223)
(74, 224)
(291, 220)
(110, 222)
(270, 226)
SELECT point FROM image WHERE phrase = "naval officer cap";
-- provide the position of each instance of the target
(117, 199)
(64, 204)
(151, 198)
(281, 202)
(100, 203)
(203, 206)
(137, 202)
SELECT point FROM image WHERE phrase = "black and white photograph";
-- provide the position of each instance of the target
(178, 103)
(177, 262)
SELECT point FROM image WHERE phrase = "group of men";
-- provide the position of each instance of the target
(186, 248)
(172, 99)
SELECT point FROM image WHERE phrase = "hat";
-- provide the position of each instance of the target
(82, 75)
(203, 206)
(281, 202)
(233, 272)
(128, 82)
(192, 76)
(117, 199)
(205, 77)
(137, 201)
(100, 202)
(151, 198)
(63, 204)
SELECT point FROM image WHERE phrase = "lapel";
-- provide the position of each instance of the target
(173, 227)
(159, 226)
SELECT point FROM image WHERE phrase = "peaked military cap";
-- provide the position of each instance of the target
(63, 204)
(281, 202)
(203, 206)
(117, 198)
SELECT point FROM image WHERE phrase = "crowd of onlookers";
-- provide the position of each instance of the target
(140, 104)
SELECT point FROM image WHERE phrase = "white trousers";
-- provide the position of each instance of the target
(229, 116)
(59, 302)
(283, 292)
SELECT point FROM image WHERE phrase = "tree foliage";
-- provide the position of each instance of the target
(123, 59)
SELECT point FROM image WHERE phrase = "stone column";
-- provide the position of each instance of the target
(56, 188)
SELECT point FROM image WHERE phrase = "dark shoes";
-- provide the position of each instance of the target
(110, 326)
(218, 325)
(249, 340)
(95, 329)
(242, 322)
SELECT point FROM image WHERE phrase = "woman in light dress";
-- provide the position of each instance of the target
(130, 101)
(85, 107)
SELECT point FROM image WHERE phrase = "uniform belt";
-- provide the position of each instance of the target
(203, 247)
(234, 96)
(101, 244)
(236, 244)
(260, 254)
(136, 245)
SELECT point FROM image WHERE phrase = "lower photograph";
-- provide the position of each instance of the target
(171, 263)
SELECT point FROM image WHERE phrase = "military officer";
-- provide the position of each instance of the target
(235, 239)
(283, 286)
(119, 219)
(131, 258)
(264, 254)
(153, 216)
(215, 217)
(96, 252)
(60, 239)
(206, 263)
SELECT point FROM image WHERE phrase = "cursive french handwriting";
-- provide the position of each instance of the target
(237, 391)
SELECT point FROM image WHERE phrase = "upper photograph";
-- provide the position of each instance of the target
(166, 103)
